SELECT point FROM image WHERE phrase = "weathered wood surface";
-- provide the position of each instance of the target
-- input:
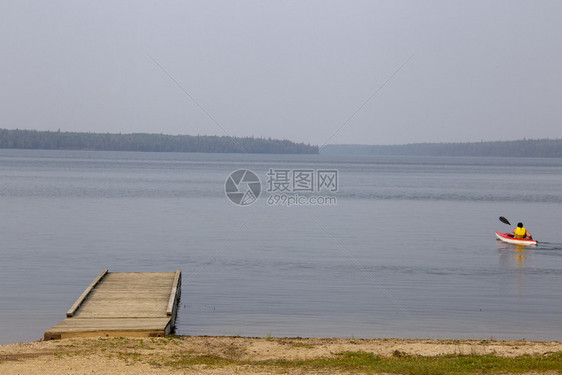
(85, 294)
(173, 301)
(123, 304)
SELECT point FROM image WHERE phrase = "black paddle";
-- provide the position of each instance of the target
(504, 220)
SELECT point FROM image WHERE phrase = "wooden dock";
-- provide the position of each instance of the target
(123, 304)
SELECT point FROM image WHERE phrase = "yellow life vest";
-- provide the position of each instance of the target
(520, 232)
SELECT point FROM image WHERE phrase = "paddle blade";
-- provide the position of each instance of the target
(504, 220)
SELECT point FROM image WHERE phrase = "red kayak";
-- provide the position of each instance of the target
(509, 238)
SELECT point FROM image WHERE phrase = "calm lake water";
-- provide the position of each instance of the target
(407, 251)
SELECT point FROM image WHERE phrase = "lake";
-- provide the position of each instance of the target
(377, 247)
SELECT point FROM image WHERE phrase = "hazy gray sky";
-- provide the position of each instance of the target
(434, 70)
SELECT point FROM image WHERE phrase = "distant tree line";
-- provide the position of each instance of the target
(57, 140)
(547, 148)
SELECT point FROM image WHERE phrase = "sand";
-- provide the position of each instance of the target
(153, 356)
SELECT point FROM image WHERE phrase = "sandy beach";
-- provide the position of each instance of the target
(228, 355)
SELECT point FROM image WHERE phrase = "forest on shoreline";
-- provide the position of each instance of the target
(57, 140)
(546, 148)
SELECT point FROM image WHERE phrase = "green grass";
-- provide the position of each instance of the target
(361, 362)
(181, 361)
(440, 365)
(302, 345)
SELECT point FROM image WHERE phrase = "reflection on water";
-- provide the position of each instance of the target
(512, 254)
(515, 257)
(520, 256)
(520, 260)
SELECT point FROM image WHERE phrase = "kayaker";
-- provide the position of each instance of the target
(521, 232)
